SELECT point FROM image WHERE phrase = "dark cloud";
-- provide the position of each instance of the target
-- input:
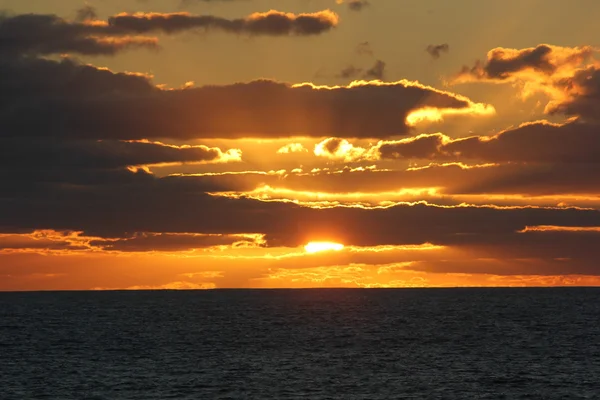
(538, 142)
(364, 48)
(49, 34)
(41, 34)
(172, 205)
(436, 50)
(273, 23)
(86, 12)
(451, 179)
(377, 71)
(569, 76)
(43, 98)
(148, 241)
(350, 72)
(583, 99)
(504, 64)
(357, 5)
(112, 154)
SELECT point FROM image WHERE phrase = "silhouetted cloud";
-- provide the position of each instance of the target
(377, 71)
(35, 34)
(357, 5)
(364, 48)
(350, 72)
(87, 12)
(273, 23)
(87, 154)
(504, 64)
(438, 183)
(40, 34)
(567, 75)
(151, 241)
(173, 205)
(539, 142)
(436, 50)
(583, 95)
(354, 5)
(64, 99)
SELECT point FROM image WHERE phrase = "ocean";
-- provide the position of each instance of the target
(301, 344)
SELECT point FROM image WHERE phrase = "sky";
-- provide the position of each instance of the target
(201, 144)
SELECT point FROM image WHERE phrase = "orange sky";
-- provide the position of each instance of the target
(221, 144)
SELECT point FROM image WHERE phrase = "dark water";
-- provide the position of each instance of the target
(302, 344)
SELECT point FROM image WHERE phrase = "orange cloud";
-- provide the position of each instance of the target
(567, 75)
(343, 150)
(179, 285)
(551, 228)
(534, 63)
(292, 148)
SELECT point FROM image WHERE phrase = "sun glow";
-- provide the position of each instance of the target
(315, 247)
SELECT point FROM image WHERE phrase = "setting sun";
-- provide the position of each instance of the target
(315, 247)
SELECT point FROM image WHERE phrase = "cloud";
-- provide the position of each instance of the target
(364, 48)
(272, 23)
(178, 285)
(511, 64)
(174, 204)
(65, 99)
(357, 5)
(537, 142)
(292, 148)
(35, 34)
(354, 5)
(43, 34)
(453, 183)
(343, 150)
(350, 72)
(583, 95)
(110, 154)
(174, 242)
(436, 50)
(43, 240)
(86, 13)
(377, 71)
(567, 75)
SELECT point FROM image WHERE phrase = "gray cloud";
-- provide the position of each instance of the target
(274, 23)
(34, 34)
(111, 154)
(364, 48)
(64, 99)
(436, 51)
(357, 5)
(504, 64)
(86, 12)
(151, 241)
(539, 142)
(41, 34)
(377, 71)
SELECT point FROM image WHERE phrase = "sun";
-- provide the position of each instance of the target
(315, 247)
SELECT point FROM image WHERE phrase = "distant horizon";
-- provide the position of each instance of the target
(298, 289)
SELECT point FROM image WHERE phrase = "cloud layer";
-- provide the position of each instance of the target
(66, 99)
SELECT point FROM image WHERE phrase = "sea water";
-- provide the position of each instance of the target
(301, 344)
